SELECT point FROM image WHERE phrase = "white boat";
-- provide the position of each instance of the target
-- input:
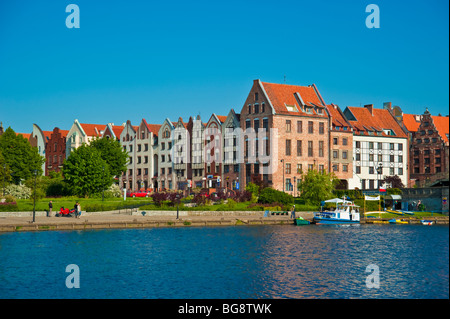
(427, 222)
(346, 212)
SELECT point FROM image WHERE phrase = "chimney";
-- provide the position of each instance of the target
(370, 108)
(387, 105)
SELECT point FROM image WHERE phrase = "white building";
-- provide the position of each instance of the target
(380, 147)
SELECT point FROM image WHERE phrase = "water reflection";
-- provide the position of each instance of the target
(327, 261)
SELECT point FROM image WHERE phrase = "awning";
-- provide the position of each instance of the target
(394, 197)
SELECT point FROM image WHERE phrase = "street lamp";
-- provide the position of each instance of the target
(34, 197)
(295, 186)
(177, 198)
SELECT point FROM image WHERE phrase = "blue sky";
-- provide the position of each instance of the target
(155, 59)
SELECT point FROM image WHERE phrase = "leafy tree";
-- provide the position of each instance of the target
(21, 158)
(269, 195)
(112, 153)
(316, 186)
(86, 172)
(394, 181)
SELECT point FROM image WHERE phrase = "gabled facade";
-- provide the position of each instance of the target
(166, 179)
(113, 131)
(214, 151)
(429, 147)
(39, 139)
(285, 132)
(232, 155)
(146, 159)
(197, 158)
(341, 146)
(380, 147)
(81, 133)
(55, 152)
(128, 141)
(180, 154)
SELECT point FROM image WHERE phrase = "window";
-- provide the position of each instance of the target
(249, 109)
(345, 168)
(266, 124)
(358, 169)
(288, 147)
(371, 145)
(310, 148)
(288, 168)
(335, 167)
(335, 154)
(400, 171)
(344, 154)
(357, 144)
(262, 107)
(310, 167)
(370, 157)
(320, 148)
(400, 158)
(380, 157)
(391, 171)
(247, 124)
(256, 96)
(299, 169)
(357, 157)
(288, 126)
(310, 127)
(391, 158)
(391, 146)
(371, 170)
(335, 141)
(400, 147)
(256, 125)
(344, 141)
(321, 128)
(299, 127)
(299, 148)
(256, 108)
(288, 184)
(321, 168)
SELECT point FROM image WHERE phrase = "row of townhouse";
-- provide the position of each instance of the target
(281, 132)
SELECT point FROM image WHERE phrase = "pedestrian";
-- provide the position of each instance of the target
(293, 212)
(50, 207)
(78, 209)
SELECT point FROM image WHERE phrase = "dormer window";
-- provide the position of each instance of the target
(291, 108)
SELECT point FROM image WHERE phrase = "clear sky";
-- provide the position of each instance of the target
(155, 59)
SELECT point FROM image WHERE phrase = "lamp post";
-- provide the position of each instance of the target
(282, 168)
(178, 198)
(295, 187)
(34, 197)
(103, 183)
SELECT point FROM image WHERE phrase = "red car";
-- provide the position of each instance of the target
(139, 194)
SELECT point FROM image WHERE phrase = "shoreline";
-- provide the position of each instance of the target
(17, 222)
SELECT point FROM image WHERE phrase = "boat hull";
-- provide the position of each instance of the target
(300, 222)
(319, 220)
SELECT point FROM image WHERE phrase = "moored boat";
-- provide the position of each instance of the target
(427, 222)
(301, 221)
(346, 212)
(397, 221)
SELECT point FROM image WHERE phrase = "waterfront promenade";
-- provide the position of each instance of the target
(113, 219)
(22, 221)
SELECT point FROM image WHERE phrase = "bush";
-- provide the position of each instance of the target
(113, 191)
(270, 195)
(18, 191)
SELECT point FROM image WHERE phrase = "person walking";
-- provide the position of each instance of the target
(293, 212)
(50, 207)
(78, 210)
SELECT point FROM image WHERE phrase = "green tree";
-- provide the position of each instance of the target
(86, 172)
(21, 158)
(315, 186)
(112, 153)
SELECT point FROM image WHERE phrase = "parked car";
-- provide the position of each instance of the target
(139, 194)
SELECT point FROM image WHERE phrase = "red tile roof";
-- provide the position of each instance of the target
(281, 95)
(93, 129)
(381, 119)
(154, 128)
(410, 122)
(337, 117)
(222, 118)
(442, 125)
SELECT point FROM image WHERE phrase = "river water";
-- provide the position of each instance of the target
(230, 262)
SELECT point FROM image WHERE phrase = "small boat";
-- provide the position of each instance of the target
(301, 221)
(346, 212)
(397, 221)
(427, 222)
